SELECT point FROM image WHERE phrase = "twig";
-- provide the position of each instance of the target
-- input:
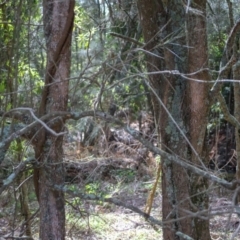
(25, 180)
(126, 38)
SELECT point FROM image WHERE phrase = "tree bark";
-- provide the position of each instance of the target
(180, 107)
(152, 17)
(58, 22)
(236, 75)
(197, 96)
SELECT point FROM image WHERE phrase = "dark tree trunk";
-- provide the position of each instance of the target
(180, 107)
(58, 22)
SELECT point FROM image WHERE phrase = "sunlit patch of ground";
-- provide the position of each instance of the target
(114, 226)
(107, 224)
(98, 220)
(107, 221)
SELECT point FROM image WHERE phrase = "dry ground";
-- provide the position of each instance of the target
(121, 175)
(99, 220)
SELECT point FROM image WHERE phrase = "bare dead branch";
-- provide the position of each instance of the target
(126, 38)
(223, 73)
(30, 110)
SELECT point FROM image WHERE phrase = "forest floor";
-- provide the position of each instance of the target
(125, 175)
(110, 222)
(224, 224)
(107, 221)
(96, 219)
(93, 220)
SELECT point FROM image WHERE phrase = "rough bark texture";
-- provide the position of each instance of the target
(152, 15)
(58, 22)
(197, 95)
(186, 103)
(175, 184)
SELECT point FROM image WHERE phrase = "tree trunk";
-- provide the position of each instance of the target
(180, 107)
(58, 23)
(236, 75)
(197, 99)
(152, 16)
(23, 196)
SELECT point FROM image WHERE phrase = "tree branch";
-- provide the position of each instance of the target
(126, 38)
(173, 158)
(228, 51)
(137, 135)
(224, 72)
(21, 167)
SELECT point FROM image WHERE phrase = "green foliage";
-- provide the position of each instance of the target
(84, 28)
(216, 46)
(2, 87)
(216, 116)
(124, 175)
(16, 62)
(16, 147)
(96, 189)
(100, 60)
(92, 188)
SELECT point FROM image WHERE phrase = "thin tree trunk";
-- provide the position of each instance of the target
(197, 96)
(236, 75)
(25, 211)
(58, 23)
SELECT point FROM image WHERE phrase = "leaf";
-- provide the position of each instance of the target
(2, 87)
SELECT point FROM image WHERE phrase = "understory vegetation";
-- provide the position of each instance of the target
(119, 119)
